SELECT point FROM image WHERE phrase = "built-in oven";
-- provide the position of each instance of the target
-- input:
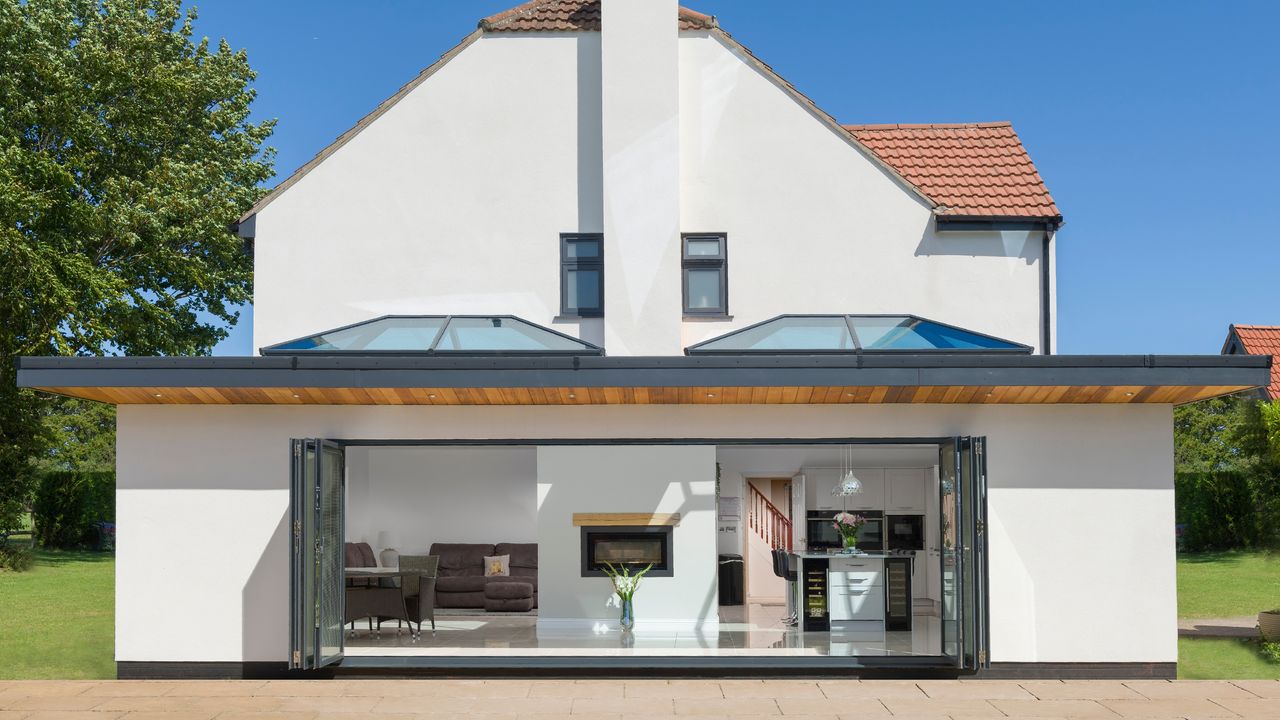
(823, 535)
(904, 532)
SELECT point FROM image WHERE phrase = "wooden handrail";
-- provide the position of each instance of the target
(771, 524)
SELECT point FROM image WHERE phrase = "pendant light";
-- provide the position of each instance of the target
(849, 483)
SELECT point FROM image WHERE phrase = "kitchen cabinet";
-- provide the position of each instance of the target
(819, 483)
(856, 604)
(855, 573)
(872, 495)
(905, 490)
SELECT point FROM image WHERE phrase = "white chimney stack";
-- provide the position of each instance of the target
(640, 110)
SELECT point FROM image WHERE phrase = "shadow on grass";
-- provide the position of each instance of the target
(56, 556)
(1221, 557)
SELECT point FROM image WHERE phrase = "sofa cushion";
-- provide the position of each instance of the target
(461, 583)
(524, 558)
(465, 559)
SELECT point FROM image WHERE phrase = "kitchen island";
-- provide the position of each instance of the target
(862, 592)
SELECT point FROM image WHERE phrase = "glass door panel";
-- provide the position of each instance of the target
(973, 502)
(316, 558)
(948, 517)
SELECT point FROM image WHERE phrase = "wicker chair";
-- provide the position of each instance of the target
(420, 589)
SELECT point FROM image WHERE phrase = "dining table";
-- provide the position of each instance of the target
(375, 601)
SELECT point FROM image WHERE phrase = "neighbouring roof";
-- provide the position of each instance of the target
(571, 15)
(403, 335)
(969, 169)
(826, 334)
(1258, 340)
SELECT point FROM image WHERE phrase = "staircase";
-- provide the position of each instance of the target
(769, 523)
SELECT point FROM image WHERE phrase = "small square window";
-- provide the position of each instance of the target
(582, 275)
(704, 265)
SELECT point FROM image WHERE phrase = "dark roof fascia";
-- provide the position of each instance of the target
(674, 371)
(979, 223)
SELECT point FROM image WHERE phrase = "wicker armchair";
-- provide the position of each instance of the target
(420, 589)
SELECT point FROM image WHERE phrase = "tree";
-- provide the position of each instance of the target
(125, 152)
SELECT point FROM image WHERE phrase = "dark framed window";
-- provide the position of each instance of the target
(582, 274)
(705, 281)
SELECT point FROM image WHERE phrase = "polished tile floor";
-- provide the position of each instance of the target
(751, 630)
(404, 699)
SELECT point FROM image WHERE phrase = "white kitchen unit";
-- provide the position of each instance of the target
(904, 490)
(820, 481)
(855, 592)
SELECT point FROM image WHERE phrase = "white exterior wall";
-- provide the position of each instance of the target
(815, 226)
(453, 202)
(627, 479)
(640, 115)
(1081, 512)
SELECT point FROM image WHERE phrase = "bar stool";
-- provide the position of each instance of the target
(783, 569)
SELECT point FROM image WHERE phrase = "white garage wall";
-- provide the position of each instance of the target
(422, 495)
(1081, 510)
(627, 479)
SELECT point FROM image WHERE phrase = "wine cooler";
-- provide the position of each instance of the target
(814, 615)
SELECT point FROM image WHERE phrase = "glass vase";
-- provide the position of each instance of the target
(850, 542)
(628, 618)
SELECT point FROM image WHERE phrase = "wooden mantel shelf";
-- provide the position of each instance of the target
(624, 519)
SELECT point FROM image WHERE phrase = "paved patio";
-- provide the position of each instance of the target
(588, 699)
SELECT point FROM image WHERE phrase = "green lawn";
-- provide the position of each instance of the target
(1223, 659)
(1222, 585)
(1227, 584)
(58, 617)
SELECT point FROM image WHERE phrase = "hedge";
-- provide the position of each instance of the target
(70, 506)
(1225, 510)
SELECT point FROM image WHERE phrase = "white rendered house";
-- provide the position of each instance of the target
(601, 270)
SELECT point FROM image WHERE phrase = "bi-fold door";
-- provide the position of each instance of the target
(963, 525)
(316, 556)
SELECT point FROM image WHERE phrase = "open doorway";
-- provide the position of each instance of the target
(511, 534)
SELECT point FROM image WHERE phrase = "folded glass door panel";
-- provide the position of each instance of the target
(316, 557)
(949, 542)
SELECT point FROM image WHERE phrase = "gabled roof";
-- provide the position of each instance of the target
(571, 16)
(969, 169)
(1258, 340)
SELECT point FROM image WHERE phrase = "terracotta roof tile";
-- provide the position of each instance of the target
(1262, 340)
(967, 168)
(571, 16)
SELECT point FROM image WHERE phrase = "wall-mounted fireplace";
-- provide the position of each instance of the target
(632, 546)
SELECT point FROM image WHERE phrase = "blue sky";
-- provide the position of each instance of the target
(1153, 123)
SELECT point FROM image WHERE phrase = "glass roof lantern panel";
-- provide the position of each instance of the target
(800, 334)
(438, 334)
(787, 333)
(911, 333)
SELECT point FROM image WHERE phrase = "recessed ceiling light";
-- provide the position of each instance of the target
(296, 395)
(572, 396)
(432, 396)
(1129, 394)
(711, 394)
(159, 395)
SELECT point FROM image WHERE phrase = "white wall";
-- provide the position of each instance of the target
(627, 479)
(1081, 511)
(640, 113)
(424, 495)
(814, 226)
(454, 199)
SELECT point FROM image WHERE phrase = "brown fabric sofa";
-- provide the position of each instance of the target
(461, 580)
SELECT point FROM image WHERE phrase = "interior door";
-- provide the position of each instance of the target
(962, 525)
(316, 561)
